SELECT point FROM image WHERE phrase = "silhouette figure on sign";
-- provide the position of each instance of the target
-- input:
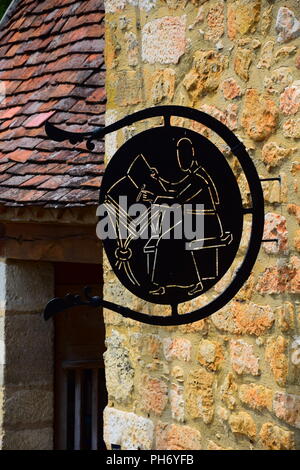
(192, 193)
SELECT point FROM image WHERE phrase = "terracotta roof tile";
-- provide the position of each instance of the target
(97, 97)
(38, 119)
(84, 158)
(95, 182)
(19, 155)
(55, 196)
(4, 125)
(61, 156)
(33, 169)
(34, 181)
(14, 181)
(44, 107)
(5, 166)
(4, 177)
(52, 67)
(90, 169)
(10, 112)
(23, 195)
(55, 182)
(86, 195)
(17, 121)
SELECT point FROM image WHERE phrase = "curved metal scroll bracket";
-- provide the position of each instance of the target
(257, 211)
(59, 135)
(59, 304)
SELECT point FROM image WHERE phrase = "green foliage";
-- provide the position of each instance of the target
(3, 6)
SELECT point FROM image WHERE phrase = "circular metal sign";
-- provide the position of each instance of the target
(172, 215)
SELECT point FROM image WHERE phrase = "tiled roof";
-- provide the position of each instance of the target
(52, 67)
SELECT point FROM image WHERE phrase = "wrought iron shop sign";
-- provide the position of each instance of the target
(171, 215)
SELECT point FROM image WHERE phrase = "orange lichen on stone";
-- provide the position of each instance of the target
(197, 326)
(244, 318)
(293, 209)
(242, 357)
(242, 17)
(199, 395)
(274, 154)
(285, 316)
(290, 100)
(275, 438)
(279, 279)
(256, 396)
(146, 344)
(259, 117)
(291, 128)
(204, 77)
(177, 348)
(210, 354)
(287, 407)
(242, 423)
(275, 228)
(277, 358)
(174, 437)
(228, 117)
(228, 391)
(231, 89)
(242, 61)
(231, 27)
(297, 241)
(215, 22)
(153, 394)
(163, 85)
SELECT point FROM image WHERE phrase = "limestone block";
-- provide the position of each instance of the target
(128, 430)
(29, 350)
(28, 407)
(163, 40)
(28, 439)
(29, 285)
(118, 369)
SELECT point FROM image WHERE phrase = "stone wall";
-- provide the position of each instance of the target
(26, 356)
(230, 381)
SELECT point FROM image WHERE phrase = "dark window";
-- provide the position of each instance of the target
(80, 392)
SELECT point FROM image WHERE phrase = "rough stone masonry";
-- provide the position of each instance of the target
(230, 381)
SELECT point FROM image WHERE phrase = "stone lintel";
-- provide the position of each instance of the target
(50, 242)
